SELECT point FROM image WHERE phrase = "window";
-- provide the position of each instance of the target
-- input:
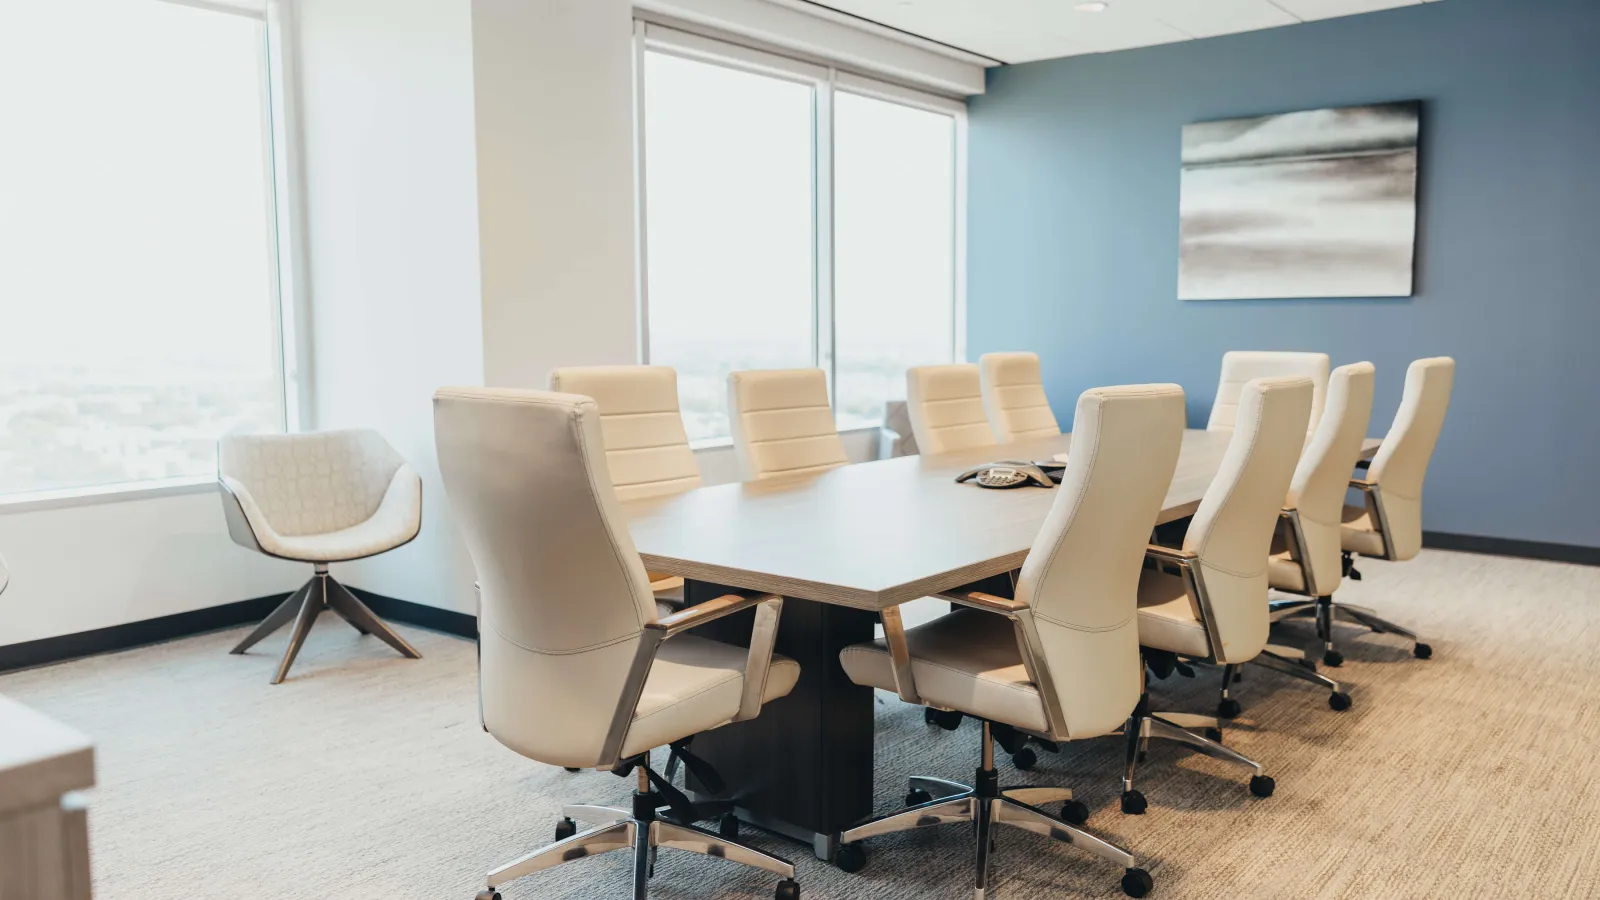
(138, 251)
(793, 216)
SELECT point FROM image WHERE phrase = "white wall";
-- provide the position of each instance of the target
(386, 104)
(554, 87)
(80, 568)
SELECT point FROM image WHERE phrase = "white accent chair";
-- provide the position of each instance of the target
(782, 423)
(1389, 525)
(1207, 601)
(1239, 367)
(319, 498)
(1306, 556)
(1013, 397)
(945, 404)
(1060, 662)
(576, 669)
(647, 448)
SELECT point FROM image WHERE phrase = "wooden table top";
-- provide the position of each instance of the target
(877, 534)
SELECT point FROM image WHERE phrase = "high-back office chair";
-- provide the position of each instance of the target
(1389, 526)
(647, 448)
(320, 498)
(1059, 662)
(782, 423)
(1308, 562)
(575, 667)
(1240, 367)
(945, 404)
(1208, 600)
(1014, 398)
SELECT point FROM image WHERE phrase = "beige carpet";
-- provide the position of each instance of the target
(366, 776)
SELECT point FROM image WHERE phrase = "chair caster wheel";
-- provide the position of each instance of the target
(1229, 708)
(1074, 812)
(1262, 785)
(1137, 882)
(572, 769)
(1422, 651)
(930, 716)
(1134, 804)
(728, 826)
(850, 857)
(917, 797)
(566, 828)
(1339, 700)
(788, 889)
(947, 719)
(1238, 677)
(487, 895)
(1214, 734)
(1024, 759)
(1333, 658)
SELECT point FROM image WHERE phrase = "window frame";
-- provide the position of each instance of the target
(826, 80)
(285, 269)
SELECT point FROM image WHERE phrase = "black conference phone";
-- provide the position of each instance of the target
(1010, 473)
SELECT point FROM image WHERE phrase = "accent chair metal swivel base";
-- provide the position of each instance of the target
(941, 802)
(642, 831)
(1144, 725)
(303, 606)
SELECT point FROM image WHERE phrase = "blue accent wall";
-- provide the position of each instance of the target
(1073, 235)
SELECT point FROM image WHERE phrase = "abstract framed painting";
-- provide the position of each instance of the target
(1320, 203)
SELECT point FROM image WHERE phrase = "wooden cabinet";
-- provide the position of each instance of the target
(44, 824)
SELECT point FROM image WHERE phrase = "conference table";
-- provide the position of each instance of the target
(840, 547)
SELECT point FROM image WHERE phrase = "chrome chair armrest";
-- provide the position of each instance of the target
(894, 634)
(756, 665)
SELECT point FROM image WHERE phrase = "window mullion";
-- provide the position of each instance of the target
(822, 205)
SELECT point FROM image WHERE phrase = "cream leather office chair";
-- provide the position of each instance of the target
(1059, 662)
(782, 424)
(1014, 398)
(1389, 526)
(647, 448)
(946, 408)
(319, 498)
(1208, 600)
(1239, 367)
(1307, 560)
(575, 667)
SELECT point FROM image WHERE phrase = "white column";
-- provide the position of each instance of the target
(553, 81)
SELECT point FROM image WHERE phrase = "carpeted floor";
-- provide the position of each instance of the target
(366, 776)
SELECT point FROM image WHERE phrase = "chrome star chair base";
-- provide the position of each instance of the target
(935, 801)
(303, 606)
(646, 828)
(1145, 724)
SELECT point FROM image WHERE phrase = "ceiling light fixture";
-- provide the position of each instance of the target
(1096, 6)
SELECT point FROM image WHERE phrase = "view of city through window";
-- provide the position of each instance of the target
(137, 319)
(731, 237)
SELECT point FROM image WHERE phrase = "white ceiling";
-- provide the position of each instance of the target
(1016, 31)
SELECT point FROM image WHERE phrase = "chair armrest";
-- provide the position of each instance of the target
(985, 602)
(709, 611)
(1365, 485)
(762, 638)
(1170, 554)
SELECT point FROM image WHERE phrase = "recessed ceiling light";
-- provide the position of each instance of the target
(1096, 6)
